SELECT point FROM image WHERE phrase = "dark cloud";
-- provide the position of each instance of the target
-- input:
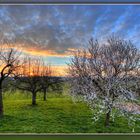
(62, 27)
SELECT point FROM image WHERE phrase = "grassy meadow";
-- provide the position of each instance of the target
(59, 114)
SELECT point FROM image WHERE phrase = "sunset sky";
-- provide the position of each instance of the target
(60, 30)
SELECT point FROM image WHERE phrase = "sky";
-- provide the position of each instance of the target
(55, 31)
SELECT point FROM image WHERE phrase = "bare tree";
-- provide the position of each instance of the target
(9, 62)
(30, 75)
(45, 78)
(49, 81)
(103, 75)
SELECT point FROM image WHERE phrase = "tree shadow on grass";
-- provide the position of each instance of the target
(29, 106)
(9, 124)
(11, 119)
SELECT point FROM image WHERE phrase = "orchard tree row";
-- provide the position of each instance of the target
(26, 73)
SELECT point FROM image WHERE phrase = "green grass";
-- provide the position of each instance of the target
(56, 115)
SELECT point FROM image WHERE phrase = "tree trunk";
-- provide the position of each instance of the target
(107, 119)
(33, 98)
(1, 102)
(45, 95)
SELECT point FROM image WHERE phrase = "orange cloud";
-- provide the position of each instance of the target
(38, 51)
(41, 52)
